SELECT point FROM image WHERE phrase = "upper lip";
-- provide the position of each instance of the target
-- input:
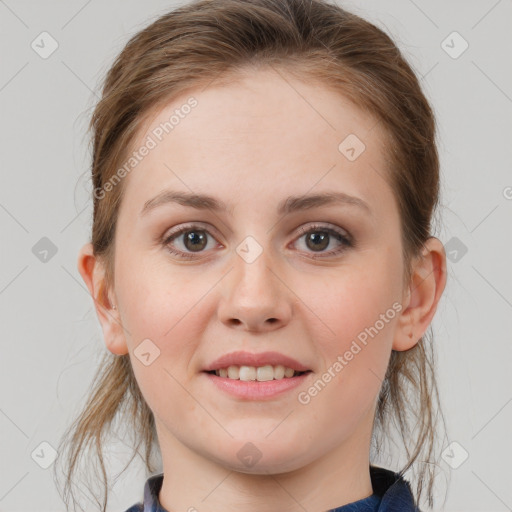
(242, 358)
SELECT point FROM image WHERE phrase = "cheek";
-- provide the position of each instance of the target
(160, 303)
(164, 321)
(354, 326)
(351, 301)
(345, 390)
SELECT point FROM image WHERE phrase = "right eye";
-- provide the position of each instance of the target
(195, 241)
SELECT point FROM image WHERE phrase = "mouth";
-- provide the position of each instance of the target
(256, 381)
(261, 367)
(257, 373)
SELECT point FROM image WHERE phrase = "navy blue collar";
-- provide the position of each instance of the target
(391, 493)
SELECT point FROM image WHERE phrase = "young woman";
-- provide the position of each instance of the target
(261, 263)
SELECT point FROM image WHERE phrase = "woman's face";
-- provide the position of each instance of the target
(261, 266)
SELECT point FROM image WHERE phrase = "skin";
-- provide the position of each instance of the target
(252, 143)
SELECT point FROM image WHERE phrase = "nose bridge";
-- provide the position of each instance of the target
(254, 264)
(255, 296)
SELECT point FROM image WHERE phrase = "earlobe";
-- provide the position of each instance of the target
(93, 273)
(420, 302)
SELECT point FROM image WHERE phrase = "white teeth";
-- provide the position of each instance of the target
(233, 372)
(264, 373)
(279, 371)
(260, 373)
(247, 373)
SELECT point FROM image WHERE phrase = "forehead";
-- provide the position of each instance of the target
(257, 131)
(256, 102)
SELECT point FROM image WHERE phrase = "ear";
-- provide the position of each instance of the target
(422, 295)
(93, 273)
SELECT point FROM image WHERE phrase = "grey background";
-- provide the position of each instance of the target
(51, 337)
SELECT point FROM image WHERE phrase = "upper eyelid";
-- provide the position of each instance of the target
(303, 229)
(344, 238)
(190, 226)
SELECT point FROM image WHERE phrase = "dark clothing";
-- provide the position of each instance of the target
(391, 493)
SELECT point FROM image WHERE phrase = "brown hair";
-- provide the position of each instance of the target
(313, 40)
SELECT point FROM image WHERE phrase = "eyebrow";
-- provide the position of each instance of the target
(289, 205)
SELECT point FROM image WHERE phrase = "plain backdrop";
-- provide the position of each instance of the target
(50, 335)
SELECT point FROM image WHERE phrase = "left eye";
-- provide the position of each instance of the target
(317, 239)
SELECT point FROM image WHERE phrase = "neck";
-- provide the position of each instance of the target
(338, 477)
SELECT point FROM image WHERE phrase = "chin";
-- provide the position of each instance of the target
(260, 455)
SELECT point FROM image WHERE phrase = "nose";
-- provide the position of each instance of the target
(255, 296)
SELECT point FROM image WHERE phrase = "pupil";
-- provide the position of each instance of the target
(323, 237)
(198, 241)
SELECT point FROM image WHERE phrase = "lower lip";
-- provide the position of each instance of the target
(255, 390)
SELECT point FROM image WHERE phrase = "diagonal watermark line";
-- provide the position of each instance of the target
(95, 94)
(14, 218)
(280, 423)
(73, 219)
(66, 368)
(305, 193)
(492, 81)
(191, 190)
(76, 280)
(14, 76)
(484, 218)
(13, 279)
(198, 302)
(286, 491)
(219, 74)
(334, 334)
(313, 30)
(75, 15)
(508, 508)
(426, 277)
(105, 311)
(221, 482)
(485, 14)
(13, 13)
(302, 97)
(232, 269)
(491, 419)
(199, 403)
(495, 289)
(376, 376)
(83, 492)
(425, 74)
(383, 178)
(424, 14)
(3, 497)
(13, 423)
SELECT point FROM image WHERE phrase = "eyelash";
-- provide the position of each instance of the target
(346, 241)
